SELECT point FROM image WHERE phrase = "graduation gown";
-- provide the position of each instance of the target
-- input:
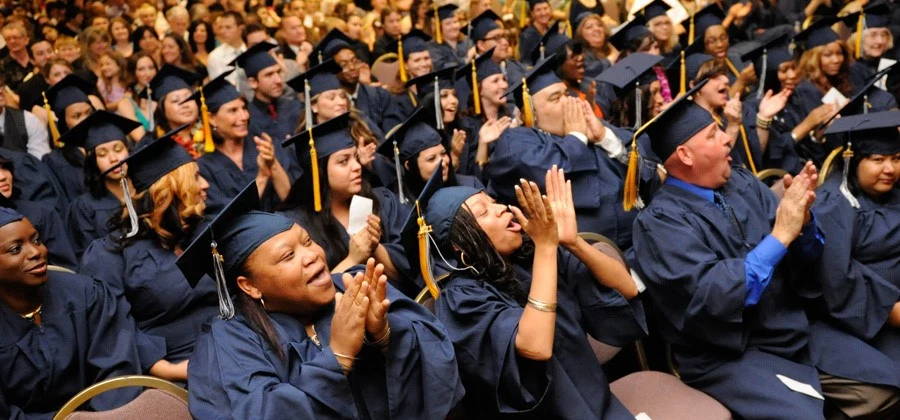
(529, 38)
(780, 151)
(37, 181)
(53, 234)
(373, 102)
(697, 285)
(443, 55)
(226, 180)
(401, 107)
(859, 285)
(483, 321)
(88, 219)
(287, 115)
(594, 65)
(84, 338)
(234, 373)
(69, 177)
(597, 179)
(168, 311)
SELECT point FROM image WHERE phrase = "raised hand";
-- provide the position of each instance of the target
(733, 110)
(540, 224)
(349, 321)
(573, 116)
(265, 157)
(595, 129)
(360, 246)
(492, 129)
(772, 104)
(559, 193)
(365, 73)
(793, 211)
(376, 320)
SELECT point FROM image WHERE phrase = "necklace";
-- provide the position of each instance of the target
(30, 316)
(314, 338)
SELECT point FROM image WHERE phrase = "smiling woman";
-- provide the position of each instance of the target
(68, 326)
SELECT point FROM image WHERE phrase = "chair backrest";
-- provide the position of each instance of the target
(767, 173)
(152, 404)
(828, 164)
(386, 69)
(424, 297)
(179, 396)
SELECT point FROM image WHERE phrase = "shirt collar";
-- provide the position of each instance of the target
(696, 190)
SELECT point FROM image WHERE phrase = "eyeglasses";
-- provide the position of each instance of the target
(722, 39)
(496, 38)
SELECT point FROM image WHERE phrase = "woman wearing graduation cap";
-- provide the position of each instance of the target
(61, 332)
(237, 158)
(630, 38)
(486, 114)
(137, 258)
(448, 48)
(415, 61)
(857, 335)
(521, 297)
(67, 103)
(169, 89)
(707, 28)
(870, 44)
(104, 139)
(320, 200)
(541, 14)
(292, 338)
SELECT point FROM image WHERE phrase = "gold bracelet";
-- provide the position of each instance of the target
(763, 123)
(541, 306)
(336, 354)
(380, 342)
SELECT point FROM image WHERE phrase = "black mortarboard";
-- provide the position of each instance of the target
(217, 92)
(9, 215)
(98, 128)
(540, 76)
(444, 12)
(876, 14)
(655, 8)
(550, 45)
(70, 90)
(321, 141)
(635, 68)
(694, 58)
(256, 59)
(859, 102)
(819, 33)
(223, 247)
(767, 56)
(440, 212)
(483, 24)
(704, 19)
(628, 31)
(333, 42)
(169, 79)
(874, 133)
(425, 84)
(413, 42)
(475, 71)
(322, 78)
(411, 137)
(153, 161)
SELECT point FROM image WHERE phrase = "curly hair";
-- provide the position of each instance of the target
(810, 68)
(169, 210)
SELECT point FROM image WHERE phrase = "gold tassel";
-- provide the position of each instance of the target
(747, 149)
(807, 22)
(523, 20)
(424, 265)
(630, 188)
(208, 145)
(732, 68)
(437, 26)
(859, 34)
(682, 86)
(403, 77)
(314, 158)
(527, 112)
(569, 28)
(691, 30)
(476, 96)
(54, 132)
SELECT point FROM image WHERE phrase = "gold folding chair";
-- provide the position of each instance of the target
(162, 400)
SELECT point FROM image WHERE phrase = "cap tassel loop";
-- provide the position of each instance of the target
(226, 306)
(476, 95)
(51, 119)
(631, 177)
(403, 75)
(760, 91)
(845, 191)
(691, 30)
(638, 103)
(528, 111)
(860, 23)
(542, 51)
(424, 253)
(208, 145)
(400, 194)
(682, 80)
(569, 28)
(438, 110)
(129, 206)
(437, 25)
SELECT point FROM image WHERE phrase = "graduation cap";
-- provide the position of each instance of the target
(628, 31)
(874, 133)
(98, 128)
(690, 61)
(433, 82)
(704, 19)
(874, 15)
(538, 78)
(819, 33)
(437, 14)
(333, 42)
(667, 130)
(654, 9)
(632, 72)
(147, 165)
(411, 137)
(256, 59)
(169, 79)
(766, 57)
(70, 90)
(9, 215)
(324, 139)
(440, 211)
(416, 233)
(551, 45)
(475, 71)
(316, 80)
(223, 247)
(859, 102)
(411, 43)
(211, 97)
(483, 24)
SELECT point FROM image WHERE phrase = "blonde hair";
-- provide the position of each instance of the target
(65, 41)
(810, 68)
(851, 42)
(673, 38)
(179, 190)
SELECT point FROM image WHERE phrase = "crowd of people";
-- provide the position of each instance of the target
(386, 209)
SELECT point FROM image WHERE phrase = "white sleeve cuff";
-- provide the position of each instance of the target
(579, 136)
(612, 144)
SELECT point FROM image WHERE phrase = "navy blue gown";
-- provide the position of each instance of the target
(36, 181)
(444, 56)
(401, 107)
(53, 234)
(234, 373)
(692, 258)
(88, 219)
(597, 179)
(169, 313)
(373, 102)
(85, 337)
(482, 322)
(287, 116)
(69, 177)
(226, 180)
(860, 283)
(781, 152)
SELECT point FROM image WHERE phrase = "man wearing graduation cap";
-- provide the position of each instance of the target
(489, 36)
(562, 130)
(448, 48)
(270, 112)
(372, 101)
(728, 292)
(541, 13)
